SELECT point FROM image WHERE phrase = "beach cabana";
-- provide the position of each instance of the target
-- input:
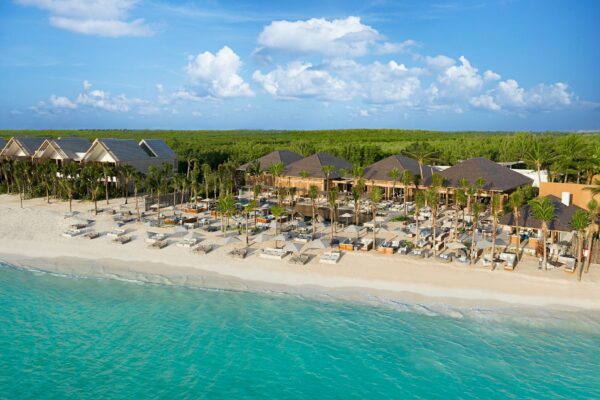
(313, 167)
(62, 149)
(120, 152)
(377, 174)
(21, 148)
(159, 151)
(498, 179)
(559, 228)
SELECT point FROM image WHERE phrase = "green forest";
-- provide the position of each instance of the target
(568, 156)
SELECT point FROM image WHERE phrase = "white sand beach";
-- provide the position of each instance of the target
(32, 237)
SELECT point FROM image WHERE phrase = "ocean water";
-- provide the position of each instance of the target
(73, 338)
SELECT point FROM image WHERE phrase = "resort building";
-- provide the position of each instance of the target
(498, 179)
(125, 152)
(62, 150)
(21, 148)
(569, 193)
(560, 229)
(265, 162)
(312, 171)
(159, 151)
(378, 174)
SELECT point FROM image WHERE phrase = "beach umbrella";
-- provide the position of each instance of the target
(456, 246)
(292, 247)
(262, 237)
(354, 229)
(317, 244)
(346, 215)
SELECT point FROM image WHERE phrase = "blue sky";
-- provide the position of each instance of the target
(446, 64)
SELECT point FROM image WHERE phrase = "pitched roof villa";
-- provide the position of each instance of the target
(286, 157)
(314, 166)
(561, 222)
(21, 148)
(63, 149)
(379, 171)
(497, 178)
(126, 151)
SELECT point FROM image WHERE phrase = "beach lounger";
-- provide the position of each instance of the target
(158, 244)
(91, 235)
(71, 233)
(275, 254)
(188, 243)
(116, 232)
(330, 257)
(300, 259)
(510, 260)
(239, 253)
(446, 257)
(202, 249)
(121, 239)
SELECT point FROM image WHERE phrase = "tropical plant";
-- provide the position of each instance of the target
(592, 208)
(394, 175)
(332, 196)
(406, 181)
(313, 193)
(69, 182)
(419, 204)
(226, 206)
(496, 209)
(580, 221)
(127, 172)
(460, 200)
(276, 171)
(423, 153)
(375, 197)
(357, 191)
(327, 170)
(476, 210)
(543, 210)
(515, 201)
(540, 155)
(277, 212)
(247, 209)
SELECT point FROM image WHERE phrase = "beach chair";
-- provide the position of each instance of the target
(299, 259)
(91, 235)
(123, 239)
(158, 244)
(202, 249)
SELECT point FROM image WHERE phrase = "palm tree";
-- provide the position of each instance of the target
(479, 184)
(592, 208)
(91, 176)
(580, 221)
(406, 181)
(177, 184)
(138, 182)
(69, 182)
(423, 154)
(226, 206)
(515, 201)
(419, 203)
(543, 210)
(254, 170)
(394, 175)
(195, 181)
(256, 189)
(44, 174)
(344, 173)
(292, 193)
(249, 207)
(496, 209)
(276, 171)
(332, 196)
(594, 189)
(18, 178)
(206, 177)
(327, 170)
(357, 192)
(107, 172)
(459, 201)
(277, 212)
(304, 174)
(432, 196)
(476, 209)
(540, 155)
(313, 193)
(7, 173)
(127, 172)
(375, 197)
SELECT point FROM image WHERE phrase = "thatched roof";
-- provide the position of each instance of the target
(278, 156)
(497, 177)
(314, 166)
(561, 222)
(157, 148)
(380, 169)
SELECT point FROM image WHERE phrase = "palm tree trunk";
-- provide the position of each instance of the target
(434, 215)
(579, 251)
(137, 203)
(70, 202)
(544, 234)
(494, 227)
(455, 222)
(158, 207)
(473, 247)
(106, 188)
(590, 248)
(313, 217)
(374, 227)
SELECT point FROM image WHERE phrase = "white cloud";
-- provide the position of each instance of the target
(438, 62)
(490, 75)
(509, 93)
(299, 80)
(62, 102)
(218, 74)
(338, 37)
(87, 85)
(485, 102)
(461, 78)
(106, 18)
(392, 48)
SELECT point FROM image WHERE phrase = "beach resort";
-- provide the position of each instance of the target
(477, 231)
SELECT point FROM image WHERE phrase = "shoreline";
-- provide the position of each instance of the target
(31, 238)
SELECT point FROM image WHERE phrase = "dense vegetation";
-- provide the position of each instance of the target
(575, 157)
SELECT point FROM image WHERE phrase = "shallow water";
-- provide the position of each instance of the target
(71, 338)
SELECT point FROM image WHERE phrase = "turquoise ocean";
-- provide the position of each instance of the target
(74, 338)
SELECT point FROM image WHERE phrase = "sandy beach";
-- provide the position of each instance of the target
(31, 237)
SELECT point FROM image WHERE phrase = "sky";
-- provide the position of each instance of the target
(441, 65)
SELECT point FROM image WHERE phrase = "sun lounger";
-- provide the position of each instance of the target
(116, 232)
(330, 257)
(239, 253)
(202, 249)
(304, 238)
(386, 248)
(347, 244)
(91, 235)
(121, 239)
(71, 233)
(446, 257)
(188, 243)
(300, 259)
(365, 244)
(510, 260)
(275, 254)
(158, 244)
